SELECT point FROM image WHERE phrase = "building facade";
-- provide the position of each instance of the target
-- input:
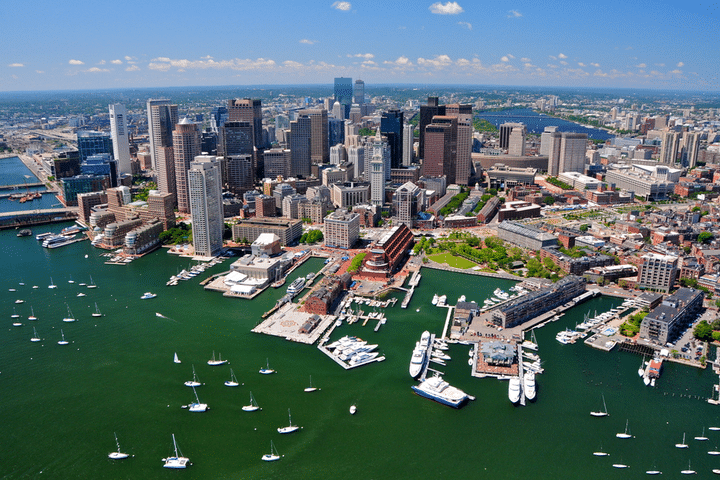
(206, 208)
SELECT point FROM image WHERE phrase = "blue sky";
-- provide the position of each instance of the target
(101, 44)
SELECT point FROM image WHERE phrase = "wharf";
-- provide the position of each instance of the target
(428, 354)
(287, 321)
(520, 374)
(346, 366)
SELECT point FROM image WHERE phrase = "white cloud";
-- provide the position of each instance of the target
(563, 62)
(97, 70)
(76, 62)
(163, 64)
(449, 8)
(366, 56)
(344, 6)
(16, 65)
(116, 62)
(596, 65)
(467, 25)
(128, 58)
(514, 14)
(525, 60)
(504, 59)
(562, 55)
(437, 62)
(39, 71)
(132, 68)
(641, 65)
(581, 64)
(552, 57)
(308, 42)
(680, 64)
(659, 64)
(676, 72)
(400, 62)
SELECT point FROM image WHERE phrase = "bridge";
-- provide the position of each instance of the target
(26, 218)
(18, 186)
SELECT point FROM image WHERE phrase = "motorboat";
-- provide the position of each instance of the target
(529, 385)
(117, 455)
(296, 286)
(290, 428)
(435, 388)
(253, 406)
(213, 363)
(177, 460)
(147, 296)
(273, 455)
(353, 409)
(435, 299)
(418, 360)
(514, 389)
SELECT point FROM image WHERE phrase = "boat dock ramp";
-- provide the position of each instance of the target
(428, 353)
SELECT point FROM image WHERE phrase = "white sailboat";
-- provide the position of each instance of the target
(15, 314)
(641, 370)
(233, 382)
(176, 461)
(310, 388)
(689, 470)
(176, 359)
(212, 362)
(683, 444)
(654, 471)
(620, 465)
(267, 370)
(96, 313)
(35, 337)
(91, 284)
(353, 409)
(63, 341)
(290, 428)
(197, 406)
(702, 438)
(601, 453)
(117, 455)
(603, 412)
(32, 316)
(52, 285)
(626, 434)
(273, 455)
(194, 382)
(69, 317)
(253, 405)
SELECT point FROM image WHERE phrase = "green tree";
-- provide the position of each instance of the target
(705, 237)
(356, 262)
(703, 331)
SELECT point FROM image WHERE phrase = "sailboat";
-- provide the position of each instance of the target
(213, 362)
(35, 337)
(71, 280)
(253, 405)
(233, 380)
(97, 311)
(702, 438)
(52, 285)
(63, 341)
(620, 465)
(176, 461)
(117, 455)
(273, 455)
(176, 359)
(267, 370)
(70, 317)
(32, 316)
(15, 314)
(290, 428)
(641, 370)
(689, 470)
(683, 444)
(603, 412)
(197, 406)
(600, 452)
(626, 434)
(91, 284)
(194, 382)
(311, 388)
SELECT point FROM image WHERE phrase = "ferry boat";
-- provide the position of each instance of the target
(296, 286)
(435, 388)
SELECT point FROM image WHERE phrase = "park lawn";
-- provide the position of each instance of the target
(453, 261)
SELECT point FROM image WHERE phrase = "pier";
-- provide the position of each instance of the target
(428, 354)
(520, 375)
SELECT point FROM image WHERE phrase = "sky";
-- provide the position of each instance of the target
(100, 44)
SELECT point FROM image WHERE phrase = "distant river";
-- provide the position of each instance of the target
(537, 122)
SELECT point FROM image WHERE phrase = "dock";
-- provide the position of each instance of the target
(428, 353)
(520, 375)
(287, 321)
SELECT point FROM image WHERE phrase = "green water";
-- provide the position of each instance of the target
(61, 404)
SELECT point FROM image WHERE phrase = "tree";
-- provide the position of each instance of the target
(549, 200)
(703, 331)
(704, 237)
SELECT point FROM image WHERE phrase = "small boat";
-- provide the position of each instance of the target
(176, 359)
(12, 290)
(267, 370)
(620, 465)
(353, 409)
(641, 370)
(117, 455)
(194, 382)
(91, 284)
(626, 434)
(19, 301)
(600, 452)
(253, 405)
(714, 429)
(71, 280)
(35, 337)
(32, 316)
(233, 380)
(654, 471)
(197, 406)
(70, 317)
(273, 455)
(290, 428)
(15, 314)
(603, 412)
(146, 295)
(702, 438)
(213, 363)
(689, 470)
(435, 299)
(714, 452)
(80, 294)
(310, 388)
(176, 461)
(683, 444)
(96, 313)
(52, 285)
(716, 471)
(63, 341)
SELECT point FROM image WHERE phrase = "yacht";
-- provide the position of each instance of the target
(63, 341)
(197, 406)
(290, 428)
(35, 337)
(435, 299)
(529, 385)
(425, 339)
(514, 389)
(683, 444)
(296, 286)
(435, 388)
(689, 470)
(233, 382)
(253, 405)
(148, 295)
(70, 317)
(267, 370)
(603, 413)
(213, 363)
(353, 409)
(442, 301)
(273, 455)
(362, 357)
(176, 461)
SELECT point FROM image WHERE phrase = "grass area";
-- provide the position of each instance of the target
(453, 261)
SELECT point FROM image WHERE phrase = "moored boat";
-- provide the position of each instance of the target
(435, 388)
(514, 389)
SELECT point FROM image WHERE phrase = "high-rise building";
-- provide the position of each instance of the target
(441, 148)
(669, 147)
(338, 154)
(516, 143)
(206, 206)
(376, 144)
(101, 164)
(319, 147)
(356, 156)
(277, 162)
(545, 140)
(119, 134)
(338, 111)
(464, 147)
(427, 112)
(236, 138)
(240, 173)
(408, 144)
(336, 131)
(186, 146)
(162, 118)
(391, 126)
(377, 177)
(218, 117)
(248, 110)
(342, 229)
(691, 149)
(343, 94)
(93, 143)
(566, 152)
(359, 92)
(300, 132)
(658, 272)
(407, 202)
(505, 130)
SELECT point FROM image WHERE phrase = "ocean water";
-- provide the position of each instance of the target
(61, 404)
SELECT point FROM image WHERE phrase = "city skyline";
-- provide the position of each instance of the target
(558, 44)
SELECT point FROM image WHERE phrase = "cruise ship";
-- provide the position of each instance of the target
(296, 286)
(435, 388)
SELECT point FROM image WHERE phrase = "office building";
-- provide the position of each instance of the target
(441, 148)
(356, 156)
(658, 272)
(186, 146)
(391, 126)
(408, 200)
(691, 149)
(300, 150)
(93, 143)
(342, 229)
(516, 142)
(206, 207)
(350, 194)
(464, 147)
(101, 164)
(505, 130)
(546, 140)
(119, 134)
(427, 112)
(276, 162)
(566, 152)
(162, 118)
(343, 94)
(377, 174)
(287, 229)
(408, 144)
(72, 186)
(525, 236)
(336, 131)
(319, 148)
(248, 110)
(359, 92)
(235, 138)
(239, 173)
(218, 117)
(669, 147)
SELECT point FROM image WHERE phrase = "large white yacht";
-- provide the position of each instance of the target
(435, 388)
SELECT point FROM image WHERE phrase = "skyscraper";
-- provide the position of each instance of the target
(248, 110)
(119, 134)
(427, 112)
(206, 207)
(162, 118)
(464, 147)
(344, 93)
(236, 138)
(377, 177)
(240, 174)
(505, 130)
(566, 152)
(319, 147)
(359, 92)
(691, 149)
(669, 147)
(300, 131)
(93, 143)
(356, 156)
(516, 142)
(408, 144)
(441, 148)
(186, 146)
(545, 140)
(391, 125)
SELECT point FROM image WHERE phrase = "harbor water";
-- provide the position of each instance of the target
(61, 404)
(14, 172)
